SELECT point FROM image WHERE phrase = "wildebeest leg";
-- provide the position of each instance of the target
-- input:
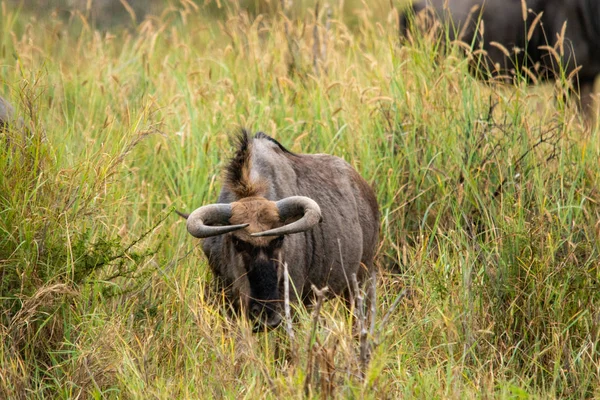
(361, 302)
(587, 101)
(350, 311)
(580, 94)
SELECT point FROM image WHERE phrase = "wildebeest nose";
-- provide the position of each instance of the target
(255, 310)
(274, 320)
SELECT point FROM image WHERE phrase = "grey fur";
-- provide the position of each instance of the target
(503, 23)
(330, 252)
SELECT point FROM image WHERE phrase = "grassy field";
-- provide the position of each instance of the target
(490, 200)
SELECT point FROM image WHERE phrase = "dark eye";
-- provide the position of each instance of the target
(277, 242)
(239, 245)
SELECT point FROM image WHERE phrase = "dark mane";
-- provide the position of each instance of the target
(237, 172)
(238, 169)
(262, 135)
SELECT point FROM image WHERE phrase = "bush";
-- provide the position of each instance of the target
(52, 246)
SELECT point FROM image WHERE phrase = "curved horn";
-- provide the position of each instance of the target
(295, 206)
(200, 222)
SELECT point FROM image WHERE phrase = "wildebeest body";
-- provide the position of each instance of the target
(326, 255)
(503, 24)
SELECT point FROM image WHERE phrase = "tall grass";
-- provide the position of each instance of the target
(489, 200)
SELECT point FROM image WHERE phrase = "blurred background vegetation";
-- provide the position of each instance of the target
(107, 13)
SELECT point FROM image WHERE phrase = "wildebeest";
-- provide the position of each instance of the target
(526, 39)
(311, 211)
(11, 121)
(6, 113)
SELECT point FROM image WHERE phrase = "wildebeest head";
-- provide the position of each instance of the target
(254, 229)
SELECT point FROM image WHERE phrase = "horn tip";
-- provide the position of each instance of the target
(262, 234)
(241, 226)
(182, 214)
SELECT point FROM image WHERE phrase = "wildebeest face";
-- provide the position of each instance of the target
(254, 230)
(261, 265)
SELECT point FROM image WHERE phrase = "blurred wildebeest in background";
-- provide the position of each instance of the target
(12, 121)
(532, 38)
(311, 211)
(6, 113)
